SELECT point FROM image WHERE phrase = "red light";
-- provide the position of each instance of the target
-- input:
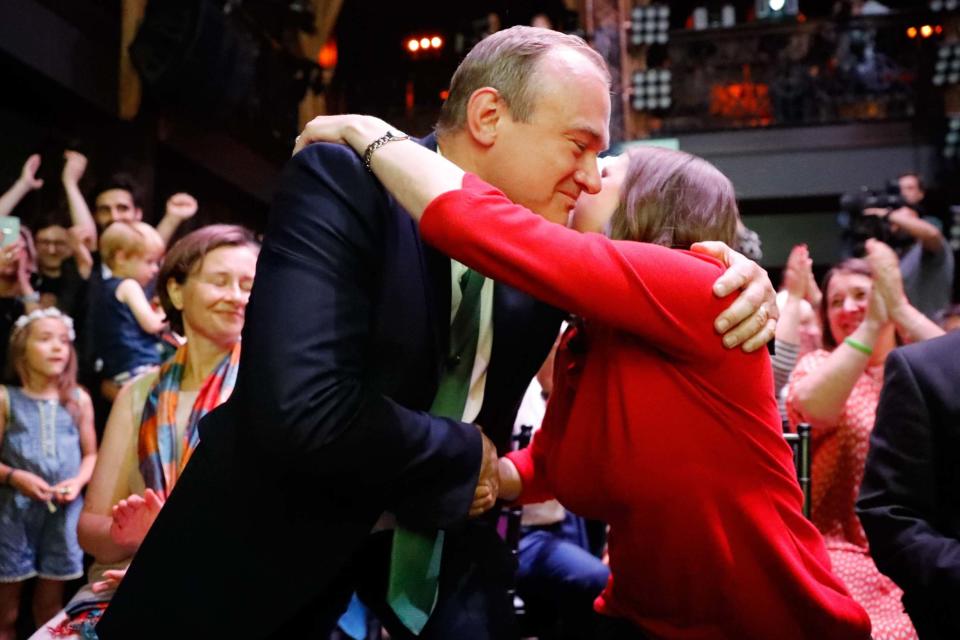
(436, 42)
(424, 43)
(926, 31)
(938, 29)
(444, 94)
(413, 45)
(911, 32)
(327, 56)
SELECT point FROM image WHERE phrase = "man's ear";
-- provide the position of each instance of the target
(485, 111)
(138, 214)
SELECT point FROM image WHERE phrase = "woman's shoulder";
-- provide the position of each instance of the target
(136, 390)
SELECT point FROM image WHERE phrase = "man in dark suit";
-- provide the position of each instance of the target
(346, 340)
(909, 501)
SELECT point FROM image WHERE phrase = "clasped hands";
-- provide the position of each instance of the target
(498, 478)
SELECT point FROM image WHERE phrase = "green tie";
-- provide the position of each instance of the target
(415, 558)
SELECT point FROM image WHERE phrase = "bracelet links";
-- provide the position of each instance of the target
(389, 136)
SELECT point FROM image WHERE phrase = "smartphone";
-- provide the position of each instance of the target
(10, 230)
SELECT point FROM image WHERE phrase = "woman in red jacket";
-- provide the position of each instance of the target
(653, 426)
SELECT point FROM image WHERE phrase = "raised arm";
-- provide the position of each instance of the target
(26, 183)
(74, 166)
(180, 208)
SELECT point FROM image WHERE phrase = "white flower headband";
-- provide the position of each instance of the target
(49, 312)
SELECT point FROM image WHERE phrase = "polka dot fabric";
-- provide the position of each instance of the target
(839, 453)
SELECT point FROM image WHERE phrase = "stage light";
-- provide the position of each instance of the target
(926, 31)
(941, 5)
(413, 45)
(776, 9)
(327, 56)
(424, 43)
(650, 24)
(911, 32)
(946, 70)
(436, 42)
(951, 141)
(651, 90)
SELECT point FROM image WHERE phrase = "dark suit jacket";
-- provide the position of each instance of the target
(910, 497)
(345, 336)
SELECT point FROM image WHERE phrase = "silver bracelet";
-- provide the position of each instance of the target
(389, 136)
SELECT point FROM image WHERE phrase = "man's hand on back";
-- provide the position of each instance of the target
(488, 483)
(752, 318)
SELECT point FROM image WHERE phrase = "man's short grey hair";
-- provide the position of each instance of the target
(507, 61)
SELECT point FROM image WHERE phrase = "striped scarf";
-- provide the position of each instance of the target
(161, 461)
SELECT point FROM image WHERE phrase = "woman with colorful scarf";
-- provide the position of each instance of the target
(204, 287)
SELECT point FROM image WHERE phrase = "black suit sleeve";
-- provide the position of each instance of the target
(898, 499)
(301, 387)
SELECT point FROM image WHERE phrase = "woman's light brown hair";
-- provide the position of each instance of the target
(674, 199)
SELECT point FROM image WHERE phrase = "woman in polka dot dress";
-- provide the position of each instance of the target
(836, 389)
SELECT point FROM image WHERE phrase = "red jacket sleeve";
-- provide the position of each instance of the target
(660, 294)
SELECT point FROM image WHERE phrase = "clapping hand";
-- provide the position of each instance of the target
(111, 580)
(133, 517)
(887, 278)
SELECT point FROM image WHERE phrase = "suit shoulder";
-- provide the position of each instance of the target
(323, 152)
(945, 348)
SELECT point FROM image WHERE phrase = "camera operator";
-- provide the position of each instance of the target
(926, 262)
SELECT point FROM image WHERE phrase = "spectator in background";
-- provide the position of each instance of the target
(126, 325)
(910, 499)
(204, 286)
(18, 263)
(798, 330)
(63, 267)
(927, 265)
(836, 389)
(47, 452)
(949, 318)
(119, 199)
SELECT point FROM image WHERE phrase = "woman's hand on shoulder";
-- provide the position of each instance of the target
(357, 131)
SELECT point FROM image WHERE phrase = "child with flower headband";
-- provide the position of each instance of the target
(47, 454)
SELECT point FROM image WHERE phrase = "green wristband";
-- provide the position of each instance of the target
(859, 346)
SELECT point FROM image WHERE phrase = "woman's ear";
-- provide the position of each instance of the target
(485, 111)
(175, 291)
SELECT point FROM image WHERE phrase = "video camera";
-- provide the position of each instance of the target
(858, 227)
